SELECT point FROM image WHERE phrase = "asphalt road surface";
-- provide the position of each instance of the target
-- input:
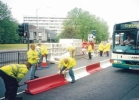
(107, 84)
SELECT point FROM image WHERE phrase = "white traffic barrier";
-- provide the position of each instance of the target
(78, 72)
(105, 63)
(84, 71)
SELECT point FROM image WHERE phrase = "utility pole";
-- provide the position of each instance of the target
(37, 19)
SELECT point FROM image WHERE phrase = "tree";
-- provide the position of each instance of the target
(8, 25)
(82, 23)
(69, 32)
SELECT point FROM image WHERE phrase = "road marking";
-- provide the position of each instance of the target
(17, 94)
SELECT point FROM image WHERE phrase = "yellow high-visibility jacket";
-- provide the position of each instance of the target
(107, 47)
(17, 71)
(32, 56)
(89, 49)
(71, 63)
(43, 50)
(101, 47)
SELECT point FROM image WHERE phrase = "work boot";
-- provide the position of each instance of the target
(73, 81)
(36, 76)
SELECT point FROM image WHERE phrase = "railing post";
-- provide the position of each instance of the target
(18, 57)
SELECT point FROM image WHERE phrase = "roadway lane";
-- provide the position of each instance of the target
(107, 84)
(50, 71)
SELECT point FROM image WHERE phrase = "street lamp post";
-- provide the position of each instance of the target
(37, 21)
(49, 37)
(37, 17)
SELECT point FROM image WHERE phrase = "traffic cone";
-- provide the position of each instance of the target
(44, 63)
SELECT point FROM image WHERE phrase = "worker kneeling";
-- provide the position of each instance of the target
(67, 63)
(12, 74)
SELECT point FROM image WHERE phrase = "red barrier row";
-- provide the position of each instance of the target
(45, 83)
(93, 68)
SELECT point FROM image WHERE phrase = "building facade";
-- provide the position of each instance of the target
(40, 35)
(51, 23)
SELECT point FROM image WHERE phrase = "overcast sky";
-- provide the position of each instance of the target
(112, 11)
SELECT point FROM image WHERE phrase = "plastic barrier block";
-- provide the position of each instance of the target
(78, 72)
(105, 63)
(93, 68)
(45, 83)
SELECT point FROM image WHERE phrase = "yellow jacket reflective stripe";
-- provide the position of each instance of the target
(17, 71)
(32, 56)
(71, 63)
(89, 48)
(107, 47)
(43, 50)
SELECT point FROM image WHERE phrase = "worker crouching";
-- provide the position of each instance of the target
(66, 64)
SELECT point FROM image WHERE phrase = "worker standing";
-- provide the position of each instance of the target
(67, 63)
(101, 48)
(12, 74)
(33, 57)
(90, 50)
(43, 52)
(107, 48)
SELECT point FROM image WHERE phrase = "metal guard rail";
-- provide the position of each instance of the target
(13, 57)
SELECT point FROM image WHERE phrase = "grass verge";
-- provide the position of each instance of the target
(13, 46)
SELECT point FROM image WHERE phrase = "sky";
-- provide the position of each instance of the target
(111, 11)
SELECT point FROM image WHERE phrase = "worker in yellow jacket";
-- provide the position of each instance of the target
(33, 57)
(107, 48)
(90, 50)
(12, 74)
(71, 50)
(67, 63)
(43, 52)
(101, 48)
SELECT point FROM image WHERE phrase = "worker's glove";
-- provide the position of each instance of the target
(63, 72)
(58, 72)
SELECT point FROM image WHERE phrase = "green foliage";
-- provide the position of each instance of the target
(80, 23)
(69, 32)
(8, 25)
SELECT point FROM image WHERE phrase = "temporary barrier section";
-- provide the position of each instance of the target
(105, 63)
(45, 83)
(78, 72)
(93, 68)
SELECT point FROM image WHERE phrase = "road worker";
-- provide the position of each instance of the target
(71, 50)
(12, 74)
(66, 64)
(33, 57)
(90, 50)
(43, 51)
(101, 48)
(107, 48)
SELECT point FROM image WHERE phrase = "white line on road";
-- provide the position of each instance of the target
(17, 94)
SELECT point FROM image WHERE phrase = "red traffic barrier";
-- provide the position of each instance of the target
(93, 68)
(45, 83)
